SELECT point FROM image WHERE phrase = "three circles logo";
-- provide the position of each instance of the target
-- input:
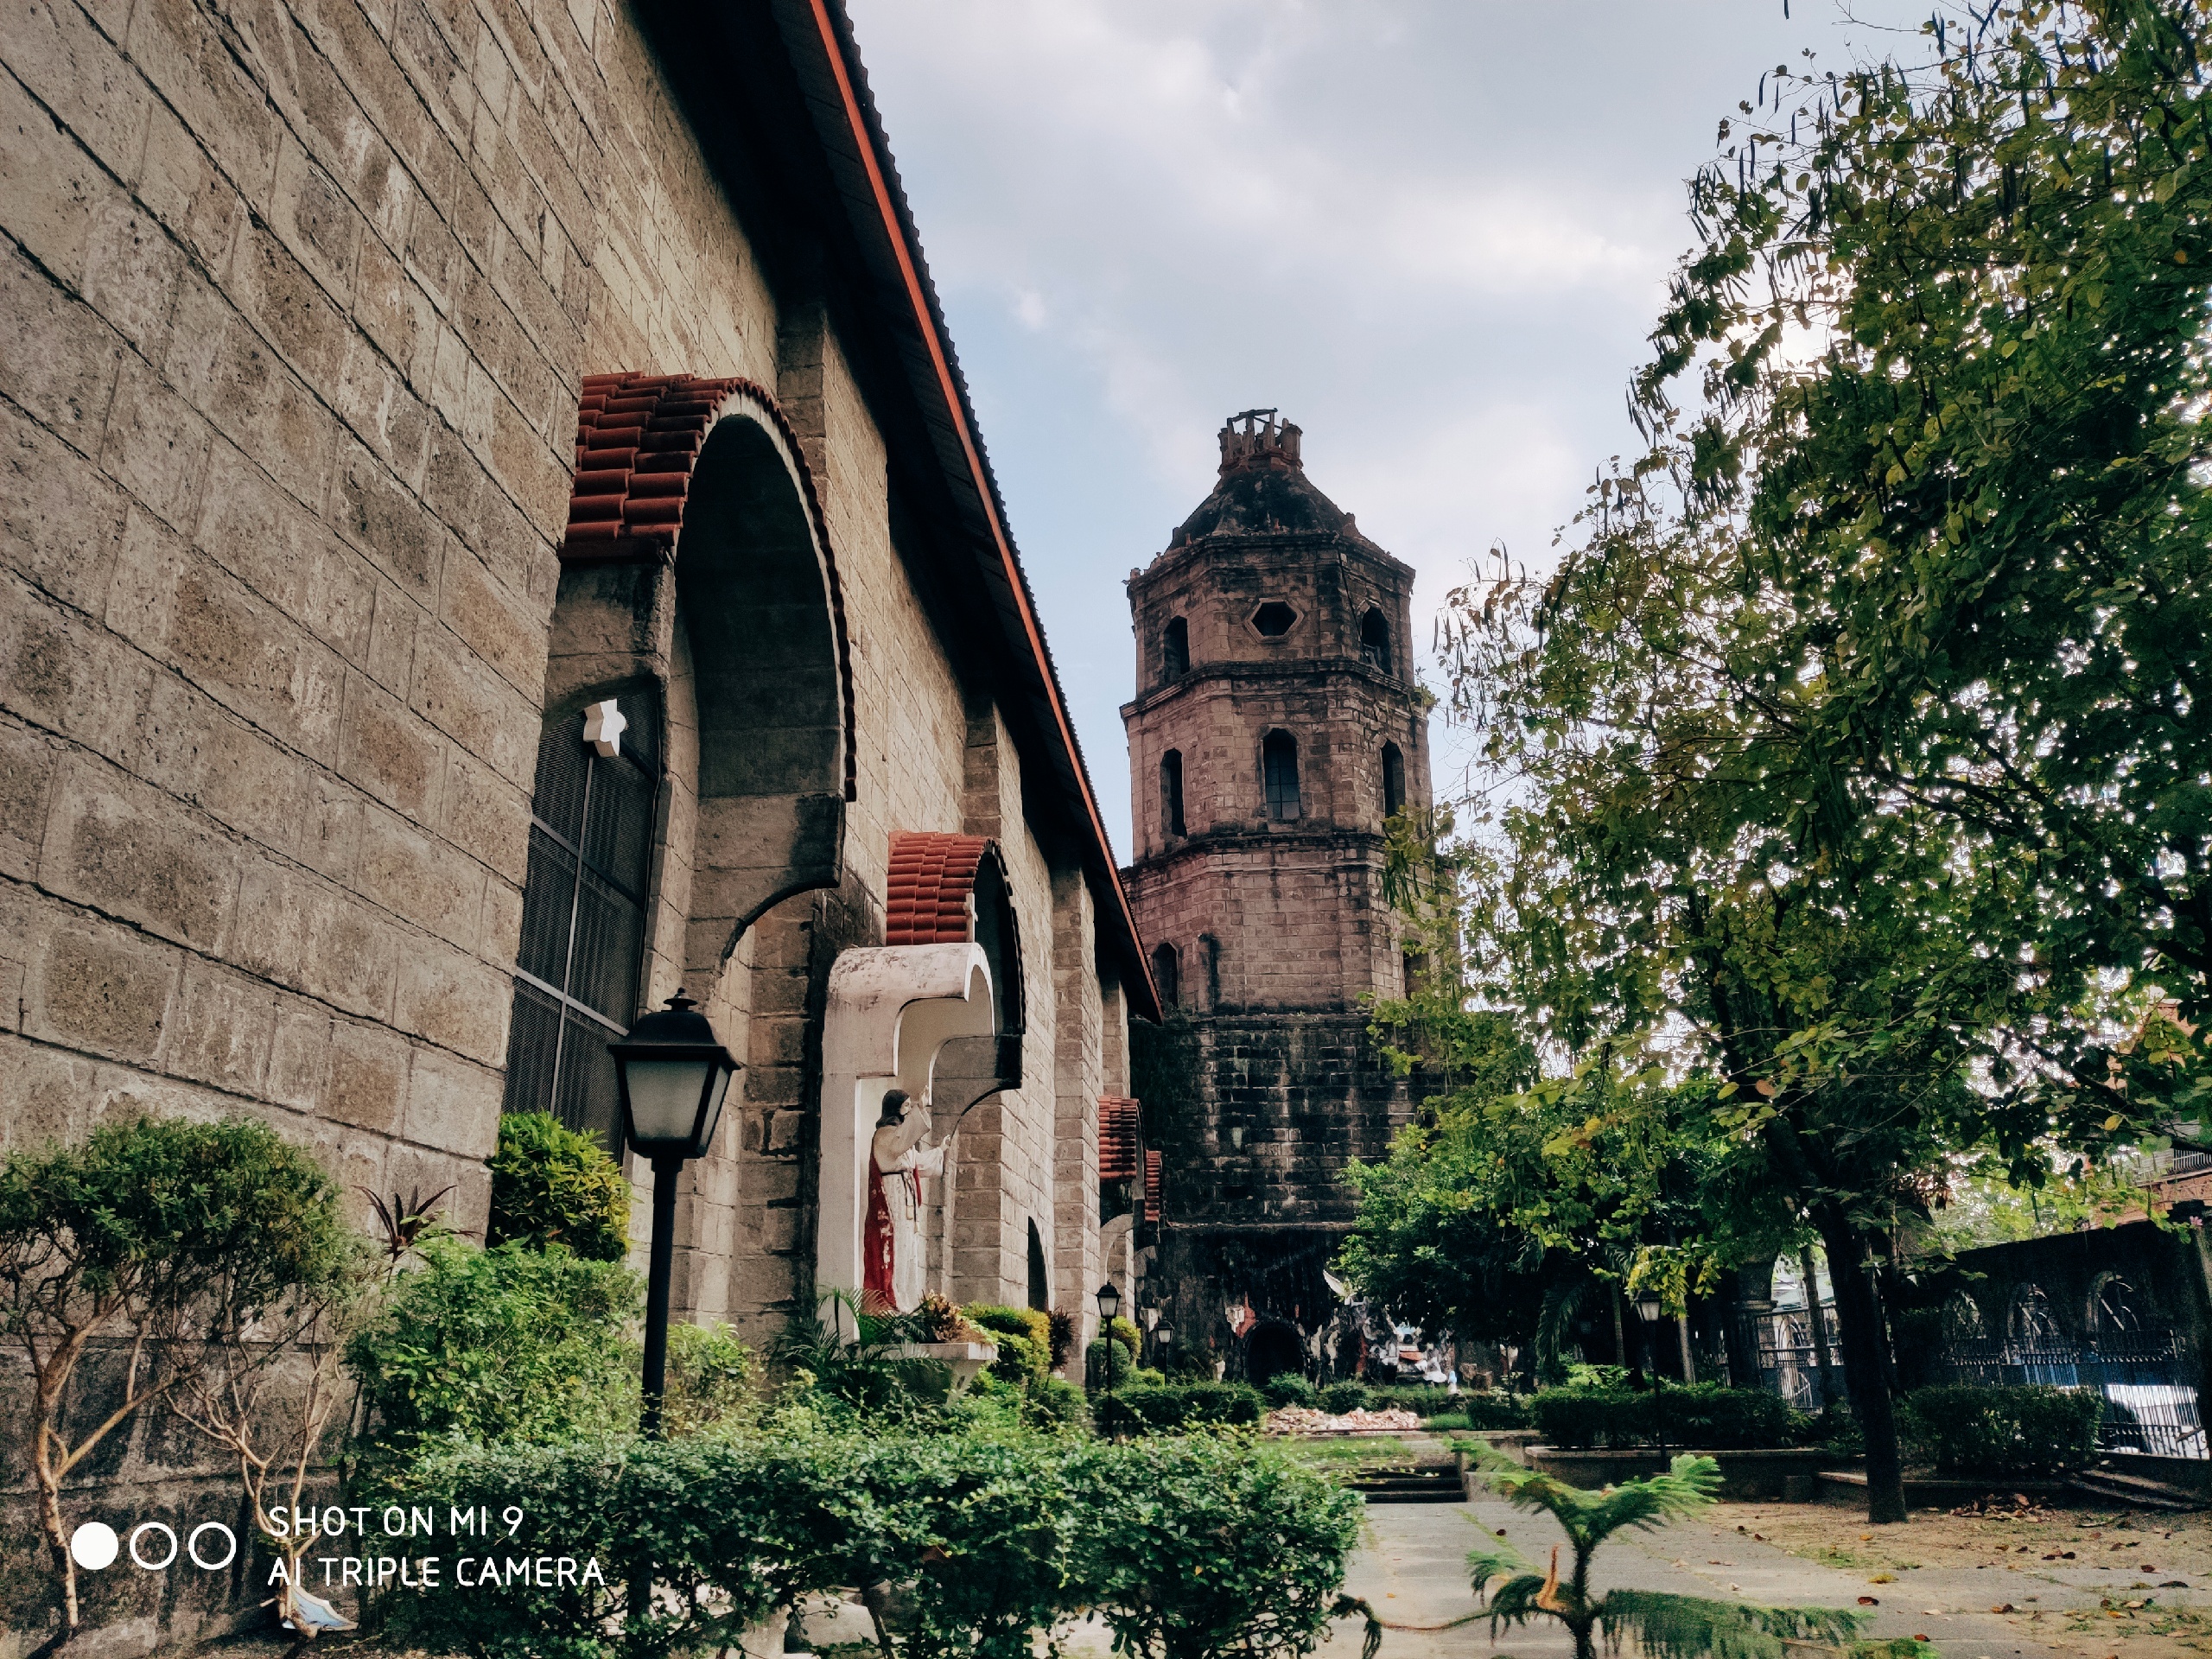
(154, 1546)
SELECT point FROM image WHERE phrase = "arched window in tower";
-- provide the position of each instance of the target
(1394, 779)
(1279, 769)
(1165, 973)
(1175, 649)
(1171, 792)
(583, 911)
(1375, 642)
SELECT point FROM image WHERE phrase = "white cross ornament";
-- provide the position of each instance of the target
(604, 724)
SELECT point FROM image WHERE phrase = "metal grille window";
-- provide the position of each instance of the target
(583, 911)
(1279, 768)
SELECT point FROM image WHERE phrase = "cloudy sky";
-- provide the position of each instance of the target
(1434, 232)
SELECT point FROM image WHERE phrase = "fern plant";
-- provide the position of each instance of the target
(1662, 1626)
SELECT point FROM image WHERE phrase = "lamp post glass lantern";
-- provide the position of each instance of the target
(1651, 1310)
(673, 1074)
(1109, 1306)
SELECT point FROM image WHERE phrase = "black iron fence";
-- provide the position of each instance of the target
(2149, 1381)
(1787, 1359)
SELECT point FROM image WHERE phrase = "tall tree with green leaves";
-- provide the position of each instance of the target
(1858, 743)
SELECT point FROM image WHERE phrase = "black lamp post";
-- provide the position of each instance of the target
(674, 1074)
(1650, 1309)
(1109, 1304)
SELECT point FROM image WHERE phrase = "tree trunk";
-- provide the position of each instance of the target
(1682, 1335)
(1864, 1338)
(1620, 1338)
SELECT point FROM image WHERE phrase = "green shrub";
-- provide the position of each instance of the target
(713, 1382)
(1288, 1389)
(1025, 1341)
(551, 1185)
(1341, 1397)
(2002, 1433)
(1703, 1415)
(1054, 1405)
(1209, 1546)
(1160, 1407)
(178, 1231)
(1062, 1338)
(504, 1344)
(1187, 1363)
(1183, 1547)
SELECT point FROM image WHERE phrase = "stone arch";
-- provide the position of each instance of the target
(1168, 974)
(1175, 648)
(1283, 798)
(1171, 793)
(1394, 779)
(695, 493)
(1375, 641)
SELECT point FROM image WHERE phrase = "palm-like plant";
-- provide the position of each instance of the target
(1663, 1626)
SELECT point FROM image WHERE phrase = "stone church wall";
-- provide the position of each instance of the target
(296, 301)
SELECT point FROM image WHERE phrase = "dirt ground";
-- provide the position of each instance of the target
(2130, 1582)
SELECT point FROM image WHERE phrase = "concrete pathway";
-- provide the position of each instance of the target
(1413, 1572)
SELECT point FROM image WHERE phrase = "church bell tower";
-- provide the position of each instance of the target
(1276, 725)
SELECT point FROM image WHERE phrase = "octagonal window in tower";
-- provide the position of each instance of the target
(1375, 641)
(1175, 649)
(1279, 770)
(1273, 619)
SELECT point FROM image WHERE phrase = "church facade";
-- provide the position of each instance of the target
(1277, 725)
(495, 535)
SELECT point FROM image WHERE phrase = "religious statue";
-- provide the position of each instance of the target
(891, 1246)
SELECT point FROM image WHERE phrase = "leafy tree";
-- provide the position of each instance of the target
(1665, 1626)
(1855, 740)
(551, 1185)
(163, 1232)
(506, 1344)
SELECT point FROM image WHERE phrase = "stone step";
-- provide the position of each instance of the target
(2138, 1489)
(1427, 1484)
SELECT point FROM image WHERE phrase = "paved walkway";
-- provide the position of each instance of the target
(1413, 1572)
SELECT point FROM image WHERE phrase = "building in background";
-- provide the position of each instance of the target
(495, 533)
(1276, 725)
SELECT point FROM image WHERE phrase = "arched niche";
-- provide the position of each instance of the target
(694, 510)
(892, 1011)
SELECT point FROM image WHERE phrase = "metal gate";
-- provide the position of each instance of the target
(2148, 1379)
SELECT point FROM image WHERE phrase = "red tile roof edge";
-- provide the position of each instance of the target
(1120, 1134)
(637, 438)
(928, 896)
(833, 32)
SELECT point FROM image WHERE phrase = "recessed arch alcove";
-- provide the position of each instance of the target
(694, 510)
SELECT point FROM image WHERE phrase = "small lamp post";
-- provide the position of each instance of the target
(1164, 1335)
(1651, 1309)
(674, 1074)
(1109, 1306)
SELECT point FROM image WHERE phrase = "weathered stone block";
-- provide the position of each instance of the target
(454, 1000)
(225, 1028)
(131, 852)
(102, 990)
(367, 1085)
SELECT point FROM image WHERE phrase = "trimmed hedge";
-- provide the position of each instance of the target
(1162, 1407)
(1198, 1545)
(2003, 1431)
(1288, 1389)
(1703, 1415)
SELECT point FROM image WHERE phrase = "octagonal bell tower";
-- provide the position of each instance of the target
(1277, 724)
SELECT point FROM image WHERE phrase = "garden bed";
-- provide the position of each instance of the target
(1925, 1490)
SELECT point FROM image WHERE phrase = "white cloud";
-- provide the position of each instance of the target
(1433, 231)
